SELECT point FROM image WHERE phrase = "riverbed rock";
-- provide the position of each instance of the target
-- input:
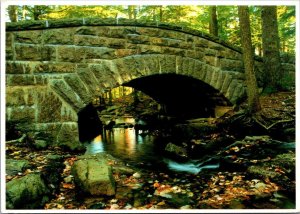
(13, 167)
(28, 192)
(176, 150)
(93, 175)
(136, 175)
(40, 144)
(124, 193)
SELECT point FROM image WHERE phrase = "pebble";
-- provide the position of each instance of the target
(128, 206)
(114, 207)
(68, 179)
(136, 175)
(113, 201)
(260, 186)
(185, 207)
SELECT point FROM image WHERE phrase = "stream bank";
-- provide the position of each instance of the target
(226, 171)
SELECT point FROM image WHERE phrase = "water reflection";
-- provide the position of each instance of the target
(125, 140)
(96, 146)
(128, 145)
(133, 148)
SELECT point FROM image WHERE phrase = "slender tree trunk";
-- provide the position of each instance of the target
(161, 12)
(130, 11)
(134, 12)
(24, 12)
(271, 47)
(13, 13)
(154, 14)
(36, 12)
(213, 23)
(253, 99)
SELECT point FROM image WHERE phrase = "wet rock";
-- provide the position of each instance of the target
(51, 174)
(176, 150)
(284, 165)
(40, 144)
(28, 192)
(55, 157)
(139, 199)
(98, 205)
(261, 171)
(124, 170)
(236, 204)
(124, 192)
(15, 166)
(177, 200)
(289, 134)
(93, 175)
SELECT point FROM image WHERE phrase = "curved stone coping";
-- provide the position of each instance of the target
(76, 22)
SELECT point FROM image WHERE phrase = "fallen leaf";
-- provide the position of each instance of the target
(161, 203)
(68, 186)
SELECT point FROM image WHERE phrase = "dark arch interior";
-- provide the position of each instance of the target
(180, 95)
(89, 124)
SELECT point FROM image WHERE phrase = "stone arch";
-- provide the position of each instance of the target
(79, 88)
(69, 62)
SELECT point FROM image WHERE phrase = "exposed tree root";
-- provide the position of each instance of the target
(273, 124)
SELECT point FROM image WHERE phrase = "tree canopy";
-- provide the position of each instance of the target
(194, 16)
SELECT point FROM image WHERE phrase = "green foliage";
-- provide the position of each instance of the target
(287, 27)
(229, 24)
(269, 90)
(288, 82)
(194, 16)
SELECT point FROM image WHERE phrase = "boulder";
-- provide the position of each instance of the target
(93, 175)
(28, 192)
(176, 150)
(13, 167)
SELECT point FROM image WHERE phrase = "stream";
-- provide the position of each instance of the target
(146, 152)
(142, 151)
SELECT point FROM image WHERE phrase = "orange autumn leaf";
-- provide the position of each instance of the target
(156, 185)
(68, 186)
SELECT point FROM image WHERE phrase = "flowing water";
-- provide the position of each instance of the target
(140, 150)
(146, 151)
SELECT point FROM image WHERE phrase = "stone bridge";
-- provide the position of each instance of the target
(55, 68)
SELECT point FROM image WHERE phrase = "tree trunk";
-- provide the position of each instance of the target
(13, 13)
(24, 12)
(36, 12)
(130, 11)
(134, 12)
(161, 13)
(253, 99)
(271, 46)
(213, 23)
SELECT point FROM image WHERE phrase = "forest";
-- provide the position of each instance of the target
(221, 21)
(87, 128)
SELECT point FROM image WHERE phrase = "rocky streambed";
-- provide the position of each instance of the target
(255, 172)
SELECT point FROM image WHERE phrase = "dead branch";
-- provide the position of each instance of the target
(19, 140)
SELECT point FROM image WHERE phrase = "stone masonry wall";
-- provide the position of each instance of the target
(55, 68)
